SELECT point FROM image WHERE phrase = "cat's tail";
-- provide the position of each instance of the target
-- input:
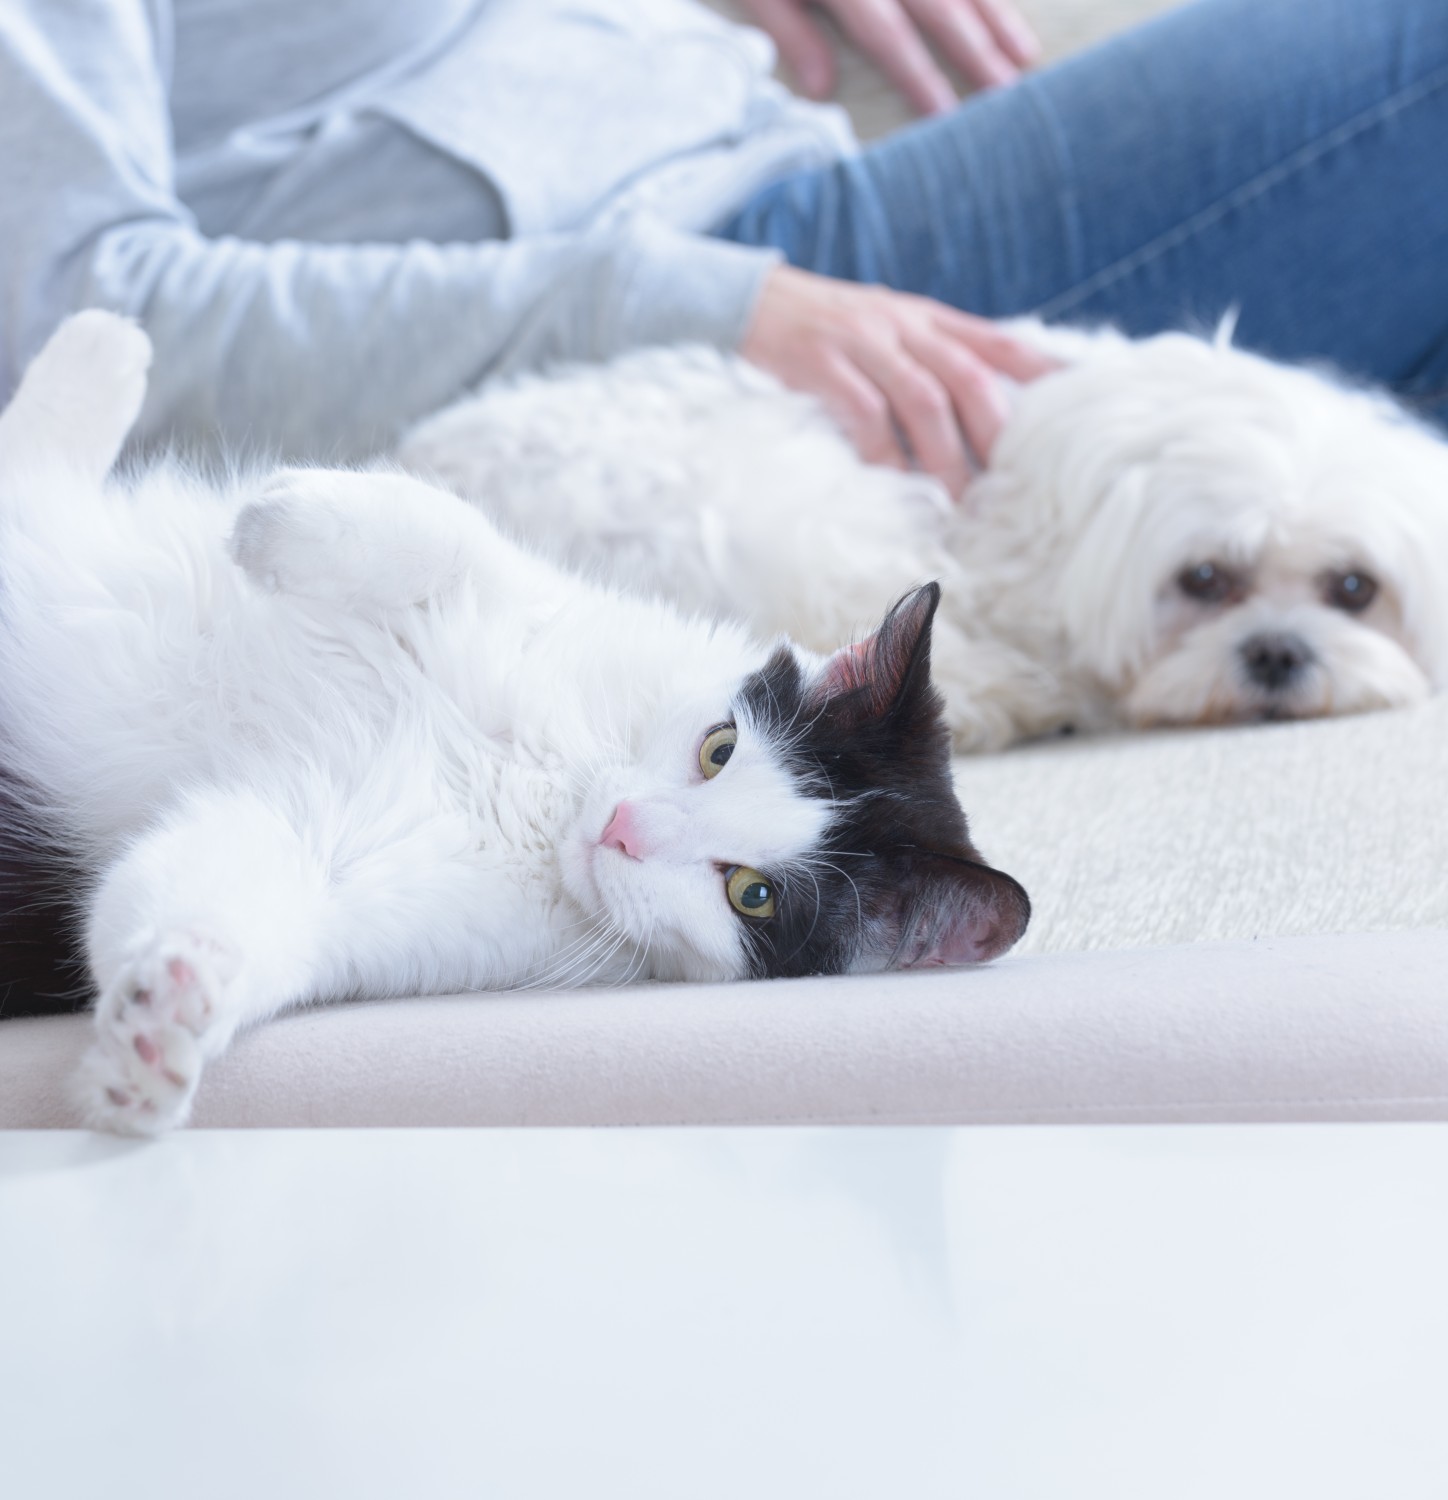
(78, 400)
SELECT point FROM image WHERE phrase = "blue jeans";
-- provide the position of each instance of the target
(1286, 157)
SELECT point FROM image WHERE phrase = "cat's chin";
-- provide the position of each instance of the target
(586, 879)
(597, 880)
(576, 856)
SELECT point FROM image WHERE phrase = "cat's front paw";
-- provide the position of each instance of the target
(157, 1021)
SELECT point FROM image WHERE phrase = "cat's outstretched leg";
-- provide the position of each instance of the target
(207, 922)
(225, 915)
(78, 400)
(374, 542)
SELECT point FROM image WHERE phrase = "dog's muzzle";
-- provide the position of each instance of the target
(1275, 662)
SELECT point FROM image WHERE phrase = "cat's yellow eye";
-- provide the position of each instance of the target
(750, 894)
(718, 746)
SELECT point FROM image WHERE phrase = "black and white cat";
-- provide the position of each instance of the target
(320, 734)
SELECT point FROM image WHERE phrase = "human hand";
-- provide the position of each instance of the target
(892, 367)
(988, 41)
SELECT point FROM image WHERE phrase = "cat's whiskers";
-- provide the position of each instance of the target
(622, 739)
(609, 738)
(789, 733)
(819, 859)
(581, 778)
(636, 968)
(604, 958)
(592, 923)
(803, 866)
(794, 733)
(557, 968)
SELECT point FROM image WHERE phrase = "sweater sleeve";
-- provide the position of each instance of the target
(302, 349)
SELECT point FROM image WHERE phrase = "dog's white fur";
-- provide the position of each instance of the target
(693, 476)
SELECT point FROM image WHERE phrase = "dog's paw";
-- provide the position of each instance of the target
(156, 1022)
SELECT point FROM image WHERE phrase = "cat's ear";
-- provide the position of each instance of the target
(955, 911)
(887, 668)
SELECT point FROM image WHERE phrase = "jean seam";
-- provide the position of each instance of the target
(1273, 176)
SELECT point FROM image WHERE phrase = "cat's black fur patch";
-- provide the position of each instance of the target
(41, 966)
(896, 867)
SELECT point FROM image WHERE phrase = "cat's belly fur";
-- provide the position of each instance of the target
(170, 673)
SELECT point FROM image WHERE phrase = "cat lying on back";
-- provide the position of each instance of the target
(324, 734)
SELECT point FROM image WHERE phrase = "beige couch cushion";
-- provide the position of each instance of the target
(1193, 836)
(1337, 1028)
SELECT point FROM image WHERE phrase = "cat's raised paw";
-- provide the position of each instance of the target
(156, 1022)
(96, 345)
(80, 396)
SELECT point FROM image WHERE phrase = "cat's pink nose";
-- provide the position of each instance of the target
(622, 833)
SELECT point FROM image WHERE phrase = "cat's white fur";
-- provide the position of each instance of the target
(319, 733)
(694, 476)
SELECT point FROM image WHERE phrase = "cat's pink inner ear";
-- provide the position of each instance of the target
(973, 939)
(881, 662)
(978, 915)
(849, 667)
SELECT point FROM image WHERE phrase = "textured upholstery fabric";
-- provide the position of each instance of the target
(1194, 836)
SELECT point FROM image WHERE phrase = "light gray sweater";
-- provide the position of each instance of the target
(334, 215)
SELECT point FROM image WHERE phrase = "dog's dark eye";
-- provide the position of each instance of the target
(1209, 583)
(1352, 591)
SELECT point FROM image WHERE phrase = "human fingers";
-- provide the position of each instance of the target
(965, 39)
(1011, 31)
(923, 408)
(804, 49)
(975, 390)
(884, 31)
(997, 346)
(862, 410)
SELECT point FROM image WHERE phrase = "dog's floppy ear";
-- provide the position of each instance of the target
(948, 909)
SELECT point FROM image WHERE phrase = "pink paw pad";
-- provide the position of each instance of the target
(153, 1025)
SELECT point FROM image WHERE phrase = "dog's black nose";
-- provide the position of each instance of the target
(1274, 661)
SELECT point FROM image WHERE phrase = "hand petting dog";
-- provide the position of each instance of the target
(904, 376)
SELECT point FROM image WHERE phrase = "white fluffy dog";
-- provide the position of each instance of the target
(1171, 530)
